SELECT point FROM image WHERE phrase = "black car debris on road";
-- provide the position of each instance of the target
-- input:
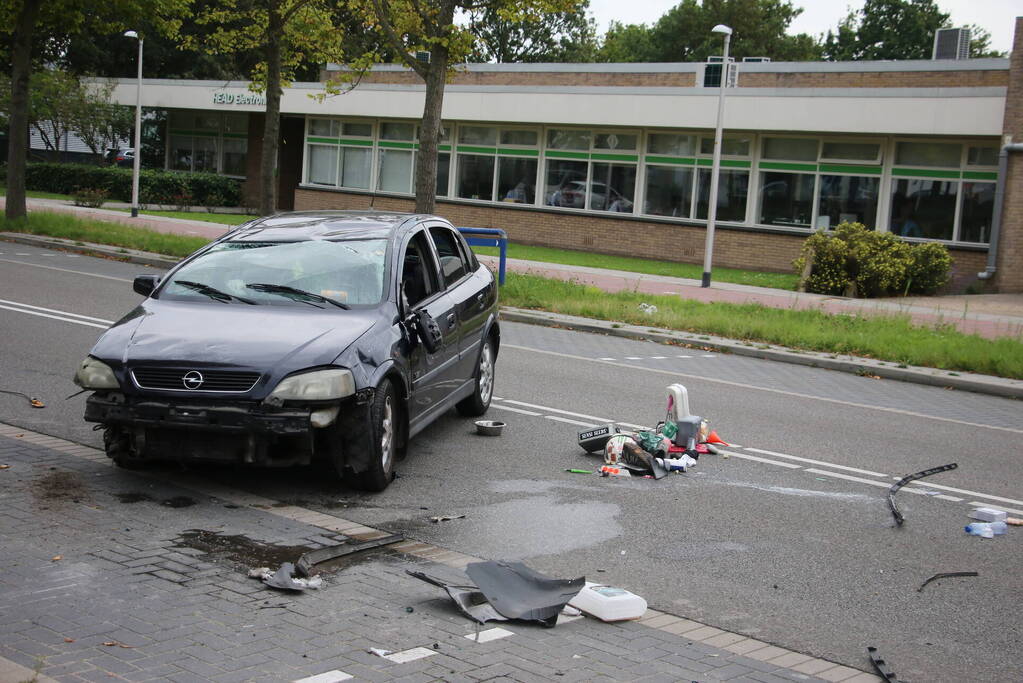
(333, 335)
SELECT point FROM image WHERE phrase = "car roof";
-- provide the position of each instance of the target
(323, 225)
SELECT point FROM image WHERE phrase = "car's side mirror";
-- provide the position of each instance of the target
(428, 330)
(144, 284)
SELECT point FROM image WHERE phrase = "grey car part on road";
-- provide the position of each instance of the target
(469, 599)
(882, 666)
(896, 512)
(518, 592)
(305, 564)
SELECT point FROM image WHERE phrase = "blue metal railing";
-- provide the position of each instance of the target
(489, 237)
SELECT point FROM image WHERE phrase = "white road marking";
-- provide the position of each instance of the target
(514, 410)
(996, 507)
(410, 655)
(66, 270)
(753, 387)
(491, 634)
(568, 420)
(684, 356)
(52, 310)
(658, 357)
(548, 409)
(633, 358)
(787, 465)
(849, 477)
(818, 462)
(55, 317)
(969, 493)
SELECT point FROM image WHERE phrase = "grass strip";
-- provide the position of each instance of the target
(888, 338)
(222, 218)
(70, 227)
(786, 281)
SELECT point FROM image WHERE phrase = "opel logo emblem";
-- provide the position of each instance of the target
(192, 379)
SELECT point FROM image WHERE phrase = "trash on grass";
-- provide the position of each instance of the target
(649, 309)
(608, 603)
(313, 557)
(944, 575)
(518, 592)
(896, 513)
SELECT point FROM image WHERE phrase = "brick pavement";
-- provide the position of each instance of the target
(93, 588)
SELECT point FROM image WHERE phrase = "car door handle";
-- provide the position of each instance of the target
(481, 299)
(451, 320)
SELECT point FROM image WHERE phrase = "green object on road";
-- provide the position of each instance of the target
(580, 471)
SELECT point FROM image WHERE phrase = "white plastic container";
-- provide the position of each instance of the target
(988, 515)
(608, 603)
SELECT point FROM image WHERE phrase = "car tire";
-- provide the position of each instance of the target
(384, 439)
(478, 403)
(117, 444)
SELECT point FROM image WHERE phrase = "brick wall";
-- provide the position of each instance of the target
(1009, 276)
(875, 79)
(610, 235)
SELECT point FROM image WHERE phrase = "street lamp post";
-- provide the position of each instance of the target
(715, 169)
(138, 132)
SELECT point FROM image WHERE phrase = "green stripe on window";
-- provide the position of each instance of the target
(472, 149)
(725, 163)
(614, 157)
(357, 143)
(844, 168)
(979, 175)
(323, 141)
(680, 161)
(201, 133)
(442, 148)
(555, 154)
(779, 166)
(242, 136)
(396, 145)
(923, 173)
(518, 152)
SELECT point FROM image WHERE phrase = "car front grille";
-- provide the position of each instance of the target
(173, 379)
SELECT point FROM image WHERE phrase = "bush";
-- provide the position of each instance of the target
(855, 261)
(156, 186)
(89, 197)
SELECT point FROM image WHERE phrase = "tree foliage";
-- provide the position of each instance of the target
(896, 29)
(569, 36)
(683, 33)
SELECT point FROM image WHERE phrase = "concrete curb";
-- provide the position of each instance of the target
(982, 384)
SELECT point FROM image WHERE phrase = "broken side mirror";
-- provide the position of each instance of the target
(429, 331)
(145, 284)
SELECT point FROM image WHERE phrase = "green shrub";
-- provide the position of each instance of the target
(856, 261)
(157, 186)
(89, 197)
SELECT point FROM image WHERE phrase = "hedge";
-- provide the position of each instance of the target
(155, 186)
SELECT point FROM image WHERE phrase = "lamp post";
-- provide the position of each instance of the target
(136, 161)
(715, 169)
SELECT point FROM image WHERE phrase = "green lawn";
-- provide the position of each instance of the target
(224, 218)
(38, 195)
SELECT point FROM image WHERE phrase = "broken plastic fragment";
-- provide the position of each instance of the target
(284, 579)
(518, 592)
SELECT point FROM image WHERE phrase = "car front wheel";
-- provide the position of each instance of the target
(384, 440)
(478, 403)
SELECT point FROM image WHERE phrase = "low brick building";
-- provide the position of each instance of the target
(616, 158)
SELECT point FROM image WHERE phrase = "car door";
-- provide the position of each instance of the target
(433, 373)
(469, 293)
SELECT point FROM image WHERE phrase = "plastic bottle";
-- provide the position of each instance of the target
(985, 529)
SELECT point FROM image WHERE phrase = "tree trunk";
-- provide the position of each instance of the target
(429, 132)
(272, 123)
(17, 152)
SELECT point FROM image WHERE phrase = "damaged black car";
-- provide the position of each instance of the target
(301, 336)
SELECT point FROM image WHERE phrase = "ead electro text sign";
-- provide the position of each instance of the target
(239, 99)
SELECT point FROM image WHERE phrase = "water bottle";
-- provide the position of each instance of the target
(985, 529)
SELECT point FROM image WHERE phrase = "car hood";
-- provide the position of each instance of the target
(273, 340)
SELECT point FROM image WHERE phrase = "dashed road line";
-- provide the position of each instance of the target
(817, 462)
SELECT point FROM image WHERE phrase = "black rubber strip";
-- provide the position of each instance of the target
(313, 557)
(882, 666)
(944, 575)
(899, 519)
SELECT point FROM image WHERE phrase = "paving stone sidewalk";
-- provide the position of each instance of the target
(99, 583)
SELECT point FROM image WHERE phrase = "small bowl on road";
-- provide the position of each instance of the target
(489, 427)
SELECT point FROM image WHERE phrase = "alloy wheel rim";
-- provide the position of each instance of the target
(387, 434)
(486, 374)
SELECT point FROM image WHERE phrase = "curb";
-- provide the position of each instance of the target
(980, 384)
(867, 367)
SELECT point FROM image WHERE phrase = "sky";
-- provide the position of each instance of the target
(819, 16)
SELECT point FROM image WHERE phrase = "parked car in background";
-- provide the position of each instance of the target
(123, 156)
(300, 336)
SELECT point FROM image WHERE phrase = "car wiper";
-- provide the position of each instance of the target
(212, 292)
(294, 292)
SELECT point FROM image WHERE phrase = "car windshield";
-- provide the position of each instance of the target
(309, 273)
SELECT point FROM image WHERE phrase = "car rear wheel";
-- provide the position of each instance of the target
(478, 403)
(384, 441)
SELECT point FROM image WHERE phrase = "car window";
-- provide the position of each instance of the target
(348, 271)
(453, 264)
(418, 272)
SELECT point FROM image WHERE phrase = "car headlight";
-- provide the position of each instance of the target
(318, 385)
(95, 374)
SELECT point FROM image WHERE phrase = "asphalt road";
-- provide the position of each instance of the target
(788, 540)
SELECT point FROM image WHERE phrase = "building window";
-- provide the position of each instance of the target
(976, 212)
(669, 191)
(498, 164)
(475, 176)
(786, 199)
(923, 208)
(339, 153)
(594, 170)
(321, 163)
(847, 199)
(733, 188)
(207, 142)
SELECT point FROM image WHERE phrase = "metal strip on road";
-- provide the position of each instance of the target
(55, 317)
(741, 385)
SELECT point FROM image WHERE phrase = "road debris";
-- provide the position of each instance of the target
(489, 427)
(896, 513)
(284, 578)
(986, 529)
(944, 575)
(32, 400)
(518, 592)
(469, 600)
(649, 309)
(306, 562)
(5, 467)
(56, 558)
(989, 515)
(379, 652)
(1014, 521)
(573, 471)
(446, 518)
(608, 603)
(117, 643)
(882, 666)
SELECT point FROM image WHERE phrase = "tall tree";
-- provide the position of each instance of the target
(557, 37)
(41, 31)
(424, 34)
(683, 33)
(896, 29)
(55, 98)
(283, 35)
